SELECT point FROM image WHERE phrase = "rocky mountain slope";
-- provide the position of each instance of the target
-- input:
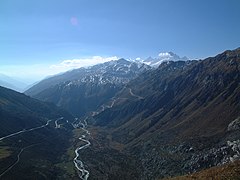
(83, 90)
(179, 118)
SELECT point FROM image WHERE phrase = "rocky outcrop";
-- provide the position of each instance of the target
(234, 125)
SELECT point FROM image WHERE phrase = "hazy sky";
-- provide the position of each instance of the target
(38, 38)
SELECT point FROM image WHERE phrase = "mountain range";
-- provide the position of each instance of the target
(82, 90)
(12, 83)
(179, 118)
(153, 119)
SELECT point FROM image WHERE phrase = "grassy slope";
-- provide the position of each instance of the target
(228, 171)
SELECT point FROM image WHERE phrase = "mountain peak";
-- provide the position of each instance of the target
(122, 60)
(163, 57)
(167, 54)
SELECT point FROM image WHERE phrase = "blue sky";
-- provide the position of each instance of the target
(37, 37)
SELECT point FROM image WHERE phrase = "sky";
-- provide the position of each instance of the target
(41, 38)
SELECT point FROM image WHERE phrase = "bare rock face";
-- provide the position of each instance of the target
(234, 125)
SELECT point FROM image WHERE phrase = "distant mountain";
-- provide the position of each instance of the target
(85, 89)
(163, 57)
(180, 118)
(8, 85)
(12, 83)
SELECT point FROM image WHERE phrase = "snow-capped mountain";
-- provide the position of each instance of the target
(115, 72)
(85, 89)
(163, 57)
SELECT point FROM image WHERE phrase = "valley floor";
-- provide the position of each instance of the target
(105, 159)
(34, 154)
(108, 159)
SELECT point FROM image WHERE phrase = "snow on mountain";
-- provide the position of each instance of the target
(86, 89)
(114, 72)
(162, 57)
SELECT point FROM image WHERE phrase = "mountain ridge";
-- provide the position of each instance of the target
(179, 116)
(85, 89)
(12, 83)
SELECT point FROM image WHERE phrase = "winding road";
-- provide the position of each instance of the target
(18, 159)
(25, 130)
(134, 95)
(21, 151)
(84, 174)
(57, 126)
(103, 107)
(78, 163)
